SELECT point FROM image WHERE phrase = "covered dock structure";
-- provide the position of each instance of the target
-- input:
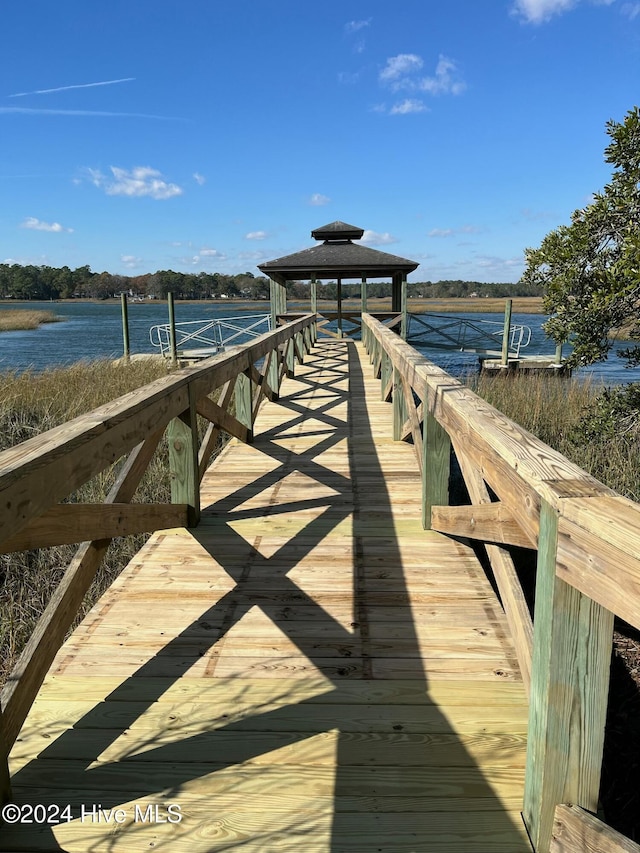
(340, 257)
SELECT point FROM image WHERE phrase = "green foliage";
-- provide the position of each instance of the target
(613, 414)
(43, 283)
(590, 269)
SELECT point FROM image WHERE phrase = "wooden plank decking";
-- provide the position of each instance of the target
(308, 670)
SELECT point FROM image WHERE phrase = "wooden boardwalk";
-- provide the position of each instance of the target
(307, 670)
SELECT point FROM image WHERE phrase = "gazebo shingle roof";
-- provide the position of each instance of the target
(337, 257)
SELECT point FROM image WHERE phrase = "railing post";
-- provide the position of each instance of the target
(569, 684)
(126, 346)
(314, 295)
(363, 296)
(399, 409)
(172, 329)
(290, 358)
(436, 460)
(182, 435)
(386, 369)
(504, 362)
(273, 372)
(244, 404)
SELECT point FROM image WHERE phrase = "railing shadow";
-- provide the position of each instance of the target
(388, 769)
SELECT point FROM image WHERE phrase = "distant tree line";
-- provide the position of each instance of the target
(45, 283)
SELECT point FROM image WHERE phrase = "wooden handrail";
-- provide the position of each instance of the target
(588, 541)
(36, 475)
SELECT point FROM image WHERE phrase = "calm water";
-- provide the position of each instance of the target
(94, 330)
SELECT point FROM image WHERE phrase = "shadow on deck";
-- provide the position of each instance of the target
(306, 670)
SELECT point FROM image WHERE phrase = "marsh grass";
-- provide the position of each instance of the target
(562, 413)
(19, 320)
(30, 404)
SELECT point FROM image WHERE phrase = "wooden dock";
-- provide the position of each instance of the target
(308, 669)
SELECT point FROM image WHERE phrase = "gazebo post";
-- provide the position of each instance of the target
(314, 295)
(339, 307)
(394, 292)
(403, 306)
(363, 295)
(278, 295)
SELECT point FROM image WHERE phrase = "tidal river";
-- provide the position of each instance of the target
(93, 330)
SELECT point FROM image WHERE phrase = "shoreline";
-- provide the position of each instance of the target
(455, 305)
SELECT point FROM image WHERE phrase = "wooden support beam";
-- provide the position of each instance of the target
(210, 440)
(399, 413)
(290, 358)
(413, 421)
(182, 436)
(569, 689)
(436, 456)
(577, 831)
(298, 347)
(5, 778)
(272, 373)
(512, 595)
(386, 377)
(244, 410)
(66, 524)
(490, 522)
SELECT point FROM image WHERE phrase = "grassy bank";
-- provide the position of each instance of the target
(18, 320)
(579, 419)
(30, 404)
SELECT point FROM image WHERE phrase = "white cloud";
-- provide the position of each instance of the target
(37, 225)
(255, 235)
(452, 232)
(139, 181)
(401, 73)
(498, 265)
(540, 11)
(131, 262)
(75, 86)
(374, 238)
(631, 10)
(399, 66)
(317, 199)
(199, 179)
(211, 253)
(409, 105)
(446, 81)
(356, 26)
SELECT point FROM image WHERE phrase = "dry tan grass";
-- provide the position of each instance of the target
(554, 409)
(18, 320)
(29, 405)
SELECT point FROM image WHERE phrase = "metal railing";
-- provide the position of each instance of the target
(485, 337)
(203, 338)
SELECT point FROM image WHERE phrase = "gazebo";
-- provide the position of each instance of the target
(339, 257)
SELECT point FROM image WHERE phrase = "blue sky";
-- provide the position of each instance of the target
(200, 135)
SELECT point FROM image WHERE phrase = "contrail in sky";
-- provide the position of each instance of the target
(40, 112)
(77, 86)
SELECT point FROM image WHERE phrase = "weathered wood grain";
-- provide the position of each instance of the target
(68, 523)
(490, 522)
(577, 831)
